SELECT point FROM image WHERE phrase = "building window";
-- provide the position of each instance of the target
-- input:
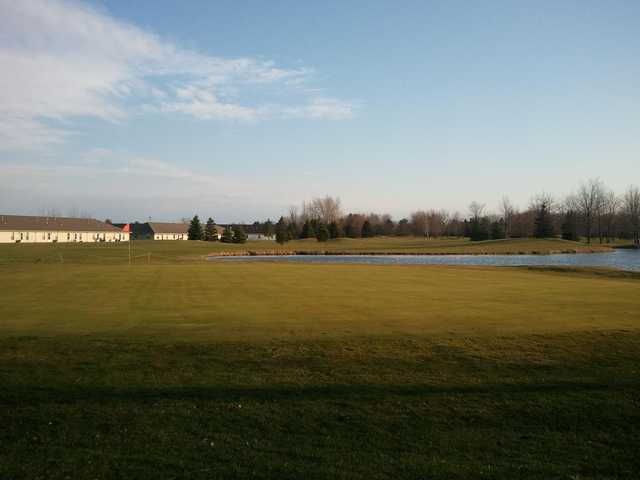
(49, 236)
(27, 235)
(68, 236)
(13, 235)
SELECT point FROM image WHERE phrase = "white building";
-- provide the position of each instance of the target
(28, 229)
(260, 236)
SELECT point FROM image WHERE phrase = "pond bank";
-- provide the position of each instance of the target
(289, 253)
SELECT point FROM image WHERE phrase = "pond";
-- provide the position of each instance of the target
(622, 259)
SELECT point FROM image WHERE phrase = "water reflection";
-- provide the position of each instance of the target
(619, 259)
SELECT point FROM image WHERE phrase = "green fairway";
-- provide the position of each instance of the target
(223, 301)
(319, 371)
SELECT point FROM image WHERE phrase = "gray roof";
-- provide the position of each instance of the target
(159, 227)
(25, 222)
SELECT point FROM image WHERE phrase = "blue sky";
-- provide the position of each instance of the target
(239, 109)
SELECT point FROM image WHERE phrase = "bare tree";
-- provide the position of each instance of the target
(507, 211)
(294, 217)
(631, 209)
(543, 206)
(419, 223)
(588, 200)
(477, 210)
(325, 209)
(610, 209)
(436, 222)
(455, 225)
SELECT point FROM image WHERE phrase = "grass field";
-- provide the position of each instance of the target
(189, 252)
(181, 370)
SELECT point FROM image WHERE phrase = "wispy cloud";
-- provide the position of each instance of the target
(62, 60)
(117, 174)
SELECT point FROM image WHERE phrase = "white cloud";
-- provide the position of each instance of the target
(205, 104)
(321, 108)
(62, 60)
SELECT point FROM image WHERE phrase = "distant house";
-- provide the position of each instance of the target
(260, 236)
(32, 229)
(162, 231)
(255, 232)
(169, 231)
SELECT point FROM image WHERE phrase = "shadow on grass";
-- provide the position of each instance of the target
(32, 394)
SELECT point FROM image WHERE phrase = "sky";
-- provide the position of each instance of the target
(239, 109)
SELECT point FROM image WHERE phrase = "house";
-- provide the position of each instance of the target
(255, 232)
(160, 231)
(32, 229)
(163, 231)
(260, 236)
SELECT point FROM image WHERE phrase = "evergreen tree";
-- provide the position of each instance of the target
(282, 232)
(292, 231)
(323, 233)
(307, 230)
(195, 229)
(210, 231)
(350, 230)
(388, 227)
(367, 231)
(479, 229)
(335, 231)
(227, 235)
(238, 235)
(543, 223)
(268, 229)
(403, 229)
(497, 230)
(570, 226)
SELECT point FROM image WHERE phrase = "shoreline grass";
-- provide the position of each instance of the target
(181, 252)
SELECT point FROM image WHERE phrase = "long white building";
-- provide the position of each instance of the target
(28, 229)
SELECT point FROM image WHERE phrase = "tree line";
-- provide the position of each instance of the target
(593, 211)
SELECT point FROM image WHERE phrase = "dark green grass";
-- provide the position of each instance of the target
(531, 406)
(281, 371)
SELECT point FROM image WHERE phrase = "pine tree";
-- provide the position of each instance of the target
(543, 223)
(367, 231)
(403, 229)
(323, 233)
(195, 229)
(335, 231)
(497, 230)
(227, 235)
(570, 226)
(292, 231)
(479, 229)
(282, 232)
(308, 230)
(238, 235)
(210, 231)
(268, 229)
